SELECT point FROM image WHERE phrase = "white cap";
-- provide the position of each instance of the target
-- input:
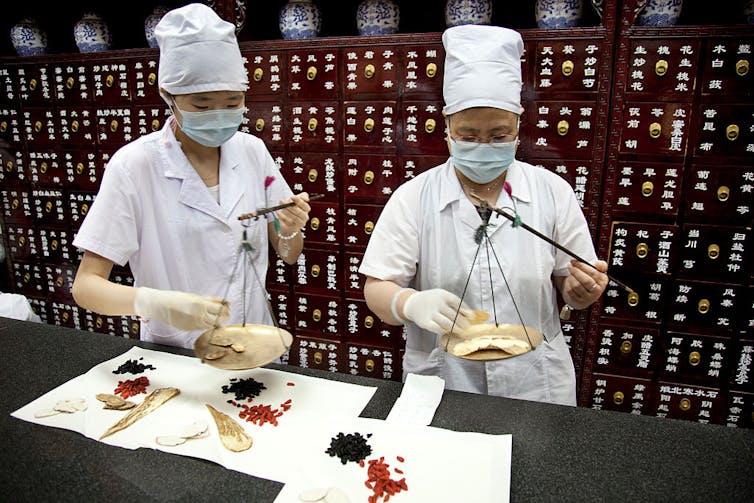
(482, 68)
(198, 52)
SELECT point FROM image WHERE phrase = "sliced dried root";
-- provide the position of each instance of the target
(216, 355)
(152, 401)
(232, 434)
(504, 343)
(115, 402)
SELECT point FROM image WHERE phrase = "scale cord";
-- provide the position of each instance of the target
(463, 294)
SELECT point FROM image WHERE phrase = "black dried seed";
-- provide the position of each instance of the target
(244, 388)
(350, 447)
(133, 367)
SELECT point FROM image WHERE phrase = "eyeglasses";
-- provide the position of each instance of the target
(499, 138)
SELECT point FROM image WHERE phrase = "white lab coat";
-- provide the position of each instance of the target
(155, 212)
(425, 239)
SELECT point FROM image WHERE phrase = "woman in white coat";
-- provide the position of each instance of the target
(169, 202)
(418, 258)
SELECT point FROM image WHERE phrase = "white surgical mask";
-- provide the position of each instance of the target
(211, 128)
(482, 162)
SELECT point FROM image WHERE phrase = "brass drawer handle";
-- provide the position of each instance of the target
(84, 209)
(369, 177)
(625, 347)
(368, 227)
(21, 240)
(48, 207)
(311, 73)
(79, 168)
(152, 79)
(633, 299)
(618, 397)
(713, 251)
(369, 71)
(661, 67)
(703, 306)
(9, 166)
(642, 250)
(567, 67)
(369, 125)
(43, 167)
(109, 81)
(69, 82)
(38, 126)
(15, 204)
(684, 404)
(258, 74)
(312, 176)
(259, 125)
(312, 124)
(318, 357)
(429, 125)
(315, 270)
(33, 84)
(317, 315)
(27, 277)
(3, 126)
(113, 125)
(75, 126)
(59, 281)
(431, 70)
(563, 128)
(99, 322)
(723, 193)
(369, 322)
(695, 358)
(647, 188)
(54, 244)
(731, 132)
(155, 125)
(369, 365)
(655, 130)
(314, 223)
(742, 67)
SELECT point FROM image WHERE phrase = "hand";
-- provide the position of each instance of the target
(584, 285)
(294, 218)
(183, 310)
(435, 310)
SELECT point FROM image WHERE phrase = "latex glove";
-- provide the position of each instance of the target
(435, 310)
(183, 310)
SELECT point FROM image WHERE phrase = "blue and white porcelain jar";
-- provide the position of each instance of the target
(28, 39)
(556, 14)
(458, 12)
(92, 34)
(660, 13)
(300, 19)
(377, 17)
(748, 11)
(151, 21)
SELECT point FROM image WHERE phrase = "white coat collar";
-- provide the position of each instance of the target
(193, 191)
(451, 192)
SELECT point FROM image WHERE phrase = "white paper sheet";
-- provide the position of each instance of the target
(418, 401)
(313, 400)
(438, 465)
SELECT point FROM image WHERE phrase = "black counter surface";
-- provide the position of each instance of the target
(559, 453)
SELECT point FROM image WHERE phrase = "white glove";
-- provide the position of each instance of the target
(183, 310)
(435, 310)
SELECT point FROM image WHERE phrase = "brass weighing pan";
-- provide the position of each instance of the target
(486, 342)
(241, 347)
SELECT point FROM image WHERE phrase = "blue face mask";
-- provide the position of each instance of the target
(482, 162)
(211, 128)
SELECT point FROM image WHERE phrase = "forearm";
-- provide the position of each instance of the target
(102, 296)
(290, 249)
(379, 297)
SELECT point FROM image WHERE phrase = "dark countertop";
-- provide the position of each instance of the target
(559, 453)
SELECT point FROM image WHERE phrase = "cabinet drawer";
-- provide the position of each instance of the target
(622, 394)
(691, 403)
(318, 315)
(373, 361)
(362, 326)
(309, 352)
(626, 350)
